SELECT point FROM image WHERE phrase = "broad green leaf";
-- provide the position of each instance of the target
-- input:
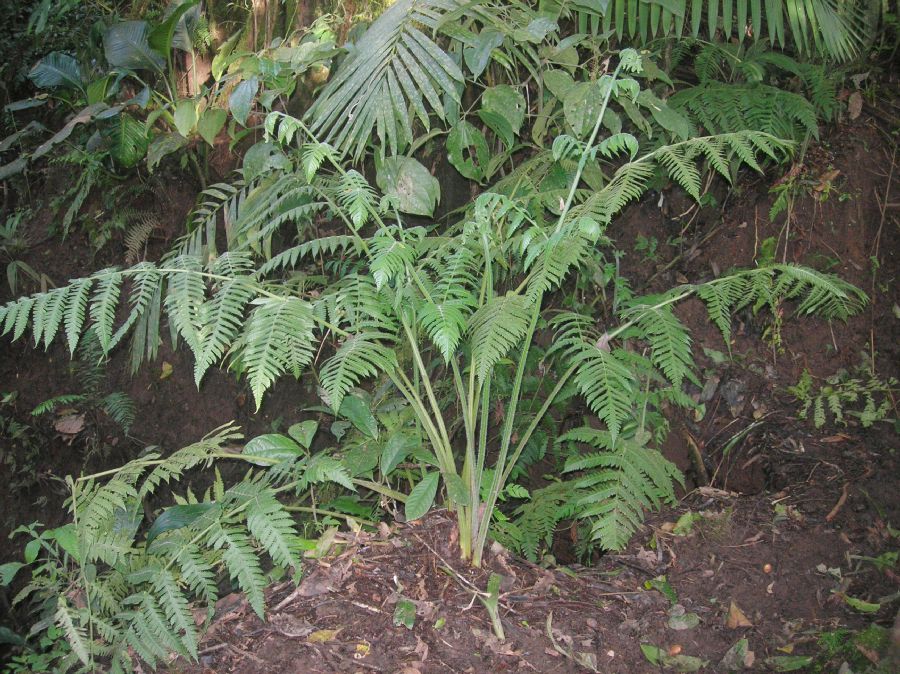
(185, 116)
(499, 125)
(177, 517)
(126, 45)
(262, 158)
(789, 663)
(468, 150)
(67, 539)
(558, 82)
(211, 122)
(56, 70)
(357, 411)
(304, 432)
(680, 620)
(507, 102)
(405, 614)
(7, 636)
(537, 30)
(395, 450)
(410, 184)
(668, 118)
(422, 496)
(163, 145)
(8, 571)
(241, 99)
(173, 31)
(661, 584)
(581, 106)
(32, 548)
(457, 491)
(272, 446)
(478, 55)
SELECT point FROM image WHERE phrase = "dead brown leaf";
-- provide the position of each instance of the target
(736, 618)
(854, 105)
(70, 424)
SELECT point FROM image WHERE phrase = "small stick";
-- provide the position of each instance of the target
(840, 503)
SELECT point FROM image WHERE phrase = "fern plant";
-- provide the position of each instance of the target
(429, 309)
(864, 396)
(121, 584)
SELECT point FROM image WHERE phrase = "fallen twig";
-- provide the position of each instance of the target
(840, 503)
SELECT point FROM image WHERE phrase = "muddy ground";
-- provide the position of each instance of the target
(763, 563)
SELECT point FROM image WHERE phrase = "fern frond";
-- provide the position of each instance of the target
(357, 197)
(137, 236)
(670, 343)
(818, 293)
(242, 563)
(120, 408)
(75, 634)
(365, 354)
(185, 298)
(103, 305)
(188, 457)
(606, 383)
(721, 297)
(223, 316)
(495, 328)
(273, 527)
(326, 246)
(198, 573)
(176, 609)
(146, 283)
(76, 308)
(618, 483)
(277, 338)
(537, 518)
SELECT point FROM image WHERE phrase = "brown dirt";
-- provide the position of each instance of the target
(786, 505)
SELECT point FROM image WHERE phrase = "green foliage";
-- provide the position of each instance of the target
(136, 591)
(836, 29)
(864, 396)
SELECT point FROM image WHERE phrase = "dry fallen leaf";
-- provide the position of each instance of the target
(71, 424)
(321, 636)
(736, 618)
(854, 105)
(166, 370)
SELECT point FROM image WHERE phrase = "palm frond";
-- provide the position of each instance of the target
(393, 68)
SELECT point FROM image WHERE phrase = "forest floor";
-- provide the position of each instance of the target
(780, 556)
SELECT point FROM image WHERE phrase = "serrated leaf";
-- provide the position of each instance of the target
(304, 432)
(272, 447)
(420, 499)
(358, 412)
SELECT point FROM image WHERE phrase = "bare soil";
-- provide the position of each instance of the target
(784, 519)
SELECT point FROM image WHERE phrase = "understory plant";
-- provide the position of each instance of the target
(436, 312)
